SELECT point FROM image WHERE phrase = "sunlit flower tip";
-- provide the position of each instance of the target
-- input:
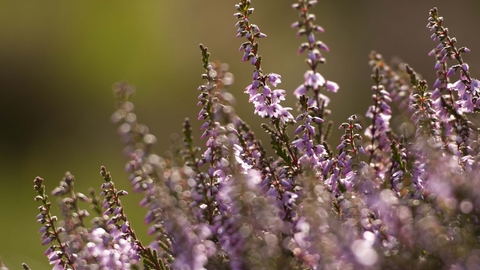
(438, 66)
(451, 71)
(317, 119)
(431, 53)
(361, 150)
(302, 48)
(274, 79)
(260, 35)
(322, 46)
(295, 24)
(300, 91)
(437, 83)
(465, 67)
(332, 86)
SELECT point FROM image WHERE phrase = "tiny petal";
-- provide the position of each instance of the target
(317, 119)
(47, 241)
(451, 71)
(300, 91)
(299, 129)
(311, 38)
(332, 86)
(274, 79)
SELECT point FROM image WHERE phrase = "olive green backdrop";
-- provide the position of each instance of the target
(59, 59)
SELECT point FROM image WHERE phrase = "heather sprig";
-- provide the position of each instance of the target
(66, 187)
(57, 251)
(468, 88)
(267, 105)
(206, 187)
(116, 217)
(453, 100)
(145, 167)
(379, 131)
(311, 142)
(266, 101)
(73, 217)
(396, 79)
(339, 171)
(314, 81)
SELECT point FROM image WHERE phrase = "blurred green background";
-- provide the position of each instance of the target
(59, 59)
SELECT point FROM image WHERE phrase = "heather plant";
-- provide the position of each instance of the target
(383, 198)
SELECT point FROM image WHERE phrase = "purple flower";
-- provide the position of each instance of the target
(314, 80)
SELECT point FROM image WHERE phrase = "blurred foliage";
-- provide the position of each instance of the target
(59, 59)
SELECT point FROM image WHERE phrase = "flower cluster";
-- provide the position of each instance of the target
(398, 199)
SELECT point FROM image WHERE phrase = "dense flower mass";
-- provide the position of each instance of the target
(396, 199)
